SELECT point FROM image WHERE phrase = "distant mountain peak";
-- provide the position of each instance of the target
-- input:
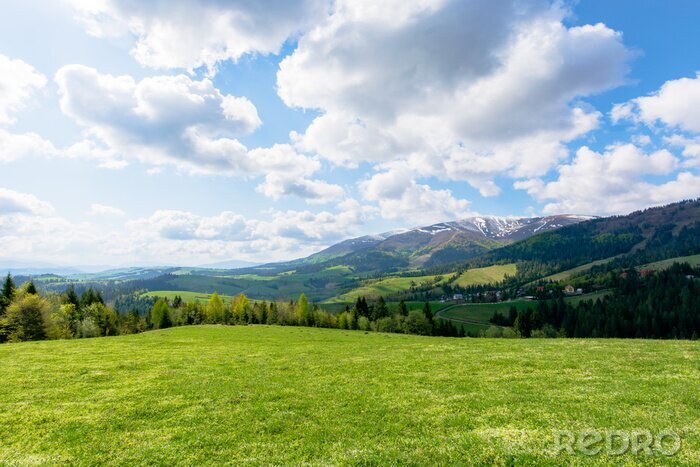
(503, 227)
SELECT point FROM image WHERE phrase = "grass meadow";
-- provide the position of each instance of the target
(286, 395)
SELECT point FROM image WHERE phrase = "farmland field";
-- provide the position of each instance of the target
(487, 275)
(387, 286)
(276, 395)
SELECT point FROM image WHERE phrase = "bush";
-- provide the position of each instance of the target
(493, 331)
(384, 325)
(417, 323)
(88, 328)
(363, 324)
(509, 333)
(547, 331)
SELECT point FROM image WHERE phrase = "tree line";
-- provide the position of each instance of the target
(361, 316)
(661, 305)
(26, 315)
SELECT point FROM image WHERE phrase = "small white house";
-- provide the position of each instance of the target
(458, 296)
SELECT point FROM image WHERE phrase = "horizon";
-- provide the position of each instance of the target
(23, 269)
(138, 136)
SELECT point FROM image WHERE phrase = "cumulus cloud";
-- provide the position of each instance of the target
(613, 182)
(18, 82)
(277, 185)
(183, 122)
(193, 33)
(13, 202)
(676, 104)
(400, 197)
(30, 227)
(17, 146)
(459, 90)
(162, 119)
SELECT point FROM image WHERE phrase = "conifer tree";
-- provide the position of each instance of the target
(403, 309)
(7, 294)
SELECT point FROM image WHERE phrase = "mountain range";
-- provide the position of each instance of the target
(426, 246)
(527, 249)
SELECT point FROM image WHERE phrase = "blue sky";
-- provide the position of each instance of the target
(198, 131)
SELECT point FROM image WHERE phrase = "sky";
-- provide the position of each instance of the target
(190, 132)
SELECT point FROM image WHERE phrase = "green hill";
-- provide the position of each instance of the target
(487, 275)
(386, 286)
(274, 395)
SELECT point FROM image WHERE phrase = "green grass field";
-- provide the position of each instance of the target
(386, 286)
(667, 263)
(487, 275)
(564, 275)
(273, 395)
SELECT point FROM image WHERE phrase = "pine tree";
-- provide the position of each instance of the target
(380, 309)
(7, 294)
(70, 297)
(403, 309)
(30, 288)
(428, 312)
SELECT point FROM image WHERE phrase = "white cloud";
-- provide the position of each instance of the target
(97, 209)
(400, 197)
(676, 104)
(13, 202)
(460, 90)
(613, 182)
(193, 33)
(18, 82)
(182, 122)
(17, 146)
(30, 227)
(277, 185)
(162, 119)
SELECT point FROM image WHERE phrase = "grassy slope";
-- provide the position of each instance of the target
(272, 395)
(482, 312)
(487, 275)
(564, 275)
(383, 287)
(392, 285)
(658, 265)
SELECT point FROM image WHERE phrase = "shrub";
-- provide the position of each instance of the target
(363, 324)
(493, 331)
(417, 323)
(384, 325)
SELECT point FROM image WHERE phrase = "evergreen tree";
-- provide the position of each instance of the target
(428, 312)
(30, 288)
(381, 310)
(7, 294)
(70, 297)
(403, 309)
